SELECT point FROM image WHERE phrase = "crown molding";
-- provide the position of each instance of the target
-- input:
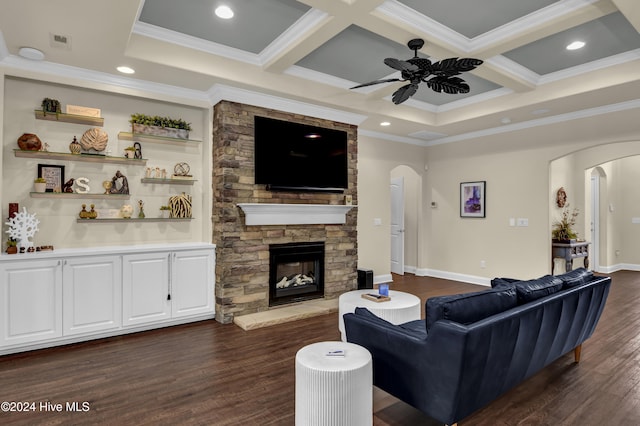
(190, 42)
(420, 23)
(560, 118)
(391, 138)
(284, 41)
(619, 59)
(221, 92)
(49, 71)
(319, 77)
(525, 23)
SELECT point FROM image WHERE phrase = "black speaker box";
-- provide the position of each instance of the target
(365, 279)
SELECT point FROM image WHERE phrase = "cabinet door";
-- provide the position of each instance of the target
(145, 288)
(92, 294)
(192, 283)
(31, 301)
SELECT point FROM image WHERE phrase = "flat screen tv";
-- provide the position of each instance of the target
(299, 157)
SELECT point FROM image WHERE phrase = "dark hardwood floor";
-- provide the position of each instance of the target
(212, 374)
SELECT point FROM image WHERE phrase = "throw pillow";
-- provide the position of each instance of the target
(467, 308)
(534, 289)
(576, 277)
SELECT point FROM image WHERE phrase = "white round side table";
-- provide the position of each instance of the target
(403, 307)
(334, 390)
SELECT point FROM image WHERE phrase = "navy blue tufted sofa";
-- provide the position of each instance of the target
(473, 347)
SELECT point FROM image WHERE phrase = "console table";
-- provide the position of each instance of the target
(568, 252)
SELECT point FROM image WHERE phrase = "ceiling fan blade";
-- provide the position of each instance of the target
(371, 83)
(454, 66)
(450, 85)
(404, 93)
(399, 65)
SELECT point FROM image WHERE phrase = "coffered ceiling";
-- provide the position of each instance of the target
(313, 51)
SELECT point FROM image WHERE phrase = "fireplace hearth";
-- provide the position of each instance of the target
(296, 272)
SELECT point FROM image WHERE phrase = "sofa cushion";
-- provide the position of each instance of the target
(576, 277)
(467, 308)
(500, 282)
(415, 327)
(531, 290)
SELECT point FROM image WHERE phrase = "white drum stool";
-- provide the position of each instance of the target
(334, 390)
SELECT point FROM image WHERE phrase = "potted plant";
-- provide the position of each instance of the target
(40, 184)
(50, 105)
(12, 246)
(160, 126)
(164, 211)
(562, 231)
(130, 152)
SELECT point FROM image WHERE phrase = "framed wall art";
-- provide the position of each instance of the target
(472, 199)
(54, 175)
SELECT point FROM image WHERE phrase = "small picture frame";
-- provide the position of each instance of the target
(54, 175)
(472, 199)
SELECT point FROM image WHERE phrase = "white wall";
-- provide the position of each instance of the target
(57, 217)
(521, 177)
(376, 161)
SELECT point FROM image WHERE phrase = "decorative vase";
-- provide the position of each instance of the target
(126, 211)
(129, 153)
(12, 250)
(29, 142)
(40, 186)
(180, 206)
(75, 146)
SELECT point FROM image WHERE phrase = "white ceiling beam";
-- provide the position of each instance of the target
(631, 10)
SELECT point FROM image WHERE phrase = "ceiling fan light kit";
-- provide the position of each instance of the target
(417, 70)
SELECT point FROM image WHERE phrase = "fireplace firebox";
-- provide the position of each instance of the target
(296, 272)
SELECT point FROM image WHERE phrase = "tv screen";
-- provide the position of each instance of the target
(294, 156)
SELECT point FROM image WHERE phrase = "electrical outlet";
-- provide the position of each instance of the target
(483, 264)
(523, 221)
(377, 221)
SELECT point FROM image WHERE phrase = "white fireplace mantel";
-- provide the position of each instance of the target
(294, 214)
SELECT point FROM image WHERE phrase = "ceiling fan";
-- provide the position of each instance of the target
(416, 70)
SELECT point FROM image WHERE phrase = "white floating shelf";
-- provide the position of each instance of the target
(294, 214)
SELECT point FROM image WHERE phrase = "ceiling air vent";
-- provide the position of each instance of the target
(60, 41)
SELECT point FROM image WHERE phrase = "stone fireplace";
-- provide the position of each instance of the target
(296, 272)
(243, 244)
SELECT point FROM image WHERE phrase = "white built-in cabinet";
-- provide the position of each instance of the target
(91, 294)
(145, 284)
(31, 301)
(160, 286)
(48, 299)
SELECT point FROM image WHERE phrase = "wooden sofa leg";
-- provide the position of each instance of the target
(576, 353)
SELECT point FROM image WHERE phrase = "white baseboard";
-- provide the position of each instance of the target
(471, 279)
(378, 279)
(619, 267)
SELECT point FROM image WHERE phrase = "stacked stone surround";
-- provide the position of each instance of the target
(242, 252)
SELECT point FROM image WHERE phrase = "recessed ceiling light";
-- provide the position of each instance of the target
(385, 123)
(224, 12)
(505, 120)
(31, 53)
(126, 70)
(541, 111)
(313, 136)
(576, 45)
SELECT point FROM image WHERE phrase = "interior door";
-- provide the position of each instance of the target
(397, 225)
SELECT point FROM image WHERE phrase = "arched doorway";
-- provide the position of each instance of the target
(406, 200)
